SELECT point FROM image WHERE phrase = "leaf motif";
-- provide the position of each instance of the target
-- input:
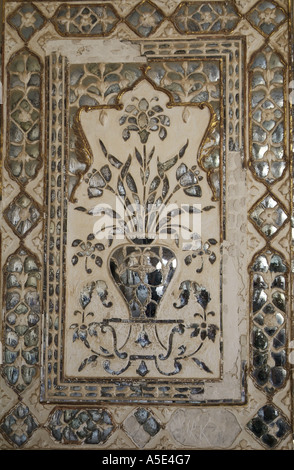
(142, 176)
(83, 364)
(105, 351)
(99, 246)
(183, 149)
(126, 134)
(212, 258)
(139, 157)
(114, 88)
(98, 261)
(208, 208)
(104, 211)
(103, 148)
(202, 296)
(121, 188)
(194, 191)
(169, 163)
(202, 365)
(92, 358)
(114, 161)
(160, 169)
(131, 183)
(191, 209)
(106, 173)
(151, 199)
(81, 209)
(184, 299)
(86, 295)
(76, 242)
(151, 155)
(74, 260)
(199, 270)
(212, 330)
(126, 167)
(196, 330)
(165, 187)
(188, 260)
(162, 133)
(154, 184)
(147, 174)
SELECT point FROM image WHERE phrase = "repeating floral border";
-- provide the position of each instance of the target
(19, 424)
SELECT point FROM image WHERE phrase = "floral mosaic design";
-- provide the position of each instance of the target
(266, 17)
(24, 130)
(81, 426)
(269, 308)
(19, 425)
(269, 426)
(23, 317)
(196, 82)
(267, 132)
(141, 273)
(22, 214)
(268, 216)
(144, 118)
(27, 20)
(81, 20)
(212, 17)
(145, 18)
(187, 82)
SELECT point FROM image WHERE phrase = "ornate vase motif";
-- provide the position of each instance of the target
(143, 275)
(142, 188)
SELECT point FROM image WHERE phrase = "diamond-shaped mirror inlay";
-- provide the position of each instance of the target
(18, 425)
(269, 426)
(142, 426)
(266, 17)
(268, 216)
(27, 20)
(22, 214)
(145, 18)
